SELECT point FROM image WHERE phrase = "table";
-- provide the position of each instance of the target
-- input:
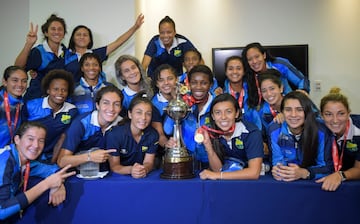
(122, 199)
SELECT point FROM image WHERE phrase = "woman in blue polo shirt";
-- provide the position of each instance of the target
(272, 94)
(237, 86)
(49, 55)
(53, 111)
(234, 147)
(201, 79)
(257, 60)
(135, 141)
(167, 47)
(18, 163)
(87, 131)
(14, 85)
(90, 83)
(132, 77)
(300, 146)
(346, 139)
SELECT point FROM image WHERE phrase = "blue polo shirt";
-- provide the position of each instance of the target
(55, 123)
(245, 143)
(84, 95)
(248, 114)
(12, 199)
(289, 75)
(287, 148)
(189, 125)
(130, 152)
(174, 57)
(85, 133)
(42, 60)
(352, 144)
(160, 102)
(129, 94)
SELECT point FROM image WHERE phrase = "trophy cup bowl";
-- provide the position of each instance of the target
(178, 164)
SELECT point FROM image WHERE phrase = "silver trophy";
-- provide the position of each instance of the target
(178, 164)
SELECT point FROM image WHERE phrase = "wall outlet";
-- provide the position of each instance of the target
(317, 86)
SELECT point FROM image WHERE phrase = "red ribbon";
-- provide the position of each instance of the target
(8, 115)
(273, 112)
(190, 100)
(335, 153)
(26, 175)
(219, 132)
(241, 97)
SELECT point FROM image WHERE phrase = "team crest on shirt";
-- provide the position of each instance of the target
(352, 147)
(144, 148)
(66, 119)
(207, 120)
(239, 144)
(177, 52)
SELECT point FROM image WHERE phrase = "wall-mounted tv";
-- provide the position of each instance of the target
(296, 54)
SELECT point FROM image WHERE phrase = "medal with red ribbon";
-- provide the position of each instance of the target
(212, 131)
(26, 175)
(241, 97)
(11, 126)
(335, 153)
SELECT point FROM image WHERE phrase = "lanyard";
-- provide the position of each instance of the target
(273, 112)
(335, 153)
(258, 88)
(26, 175)
(241, 97)
(8, 115)
(211, 130)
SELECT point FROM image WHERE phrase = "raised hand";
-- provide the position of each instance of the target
(139, 21)
(31, 37)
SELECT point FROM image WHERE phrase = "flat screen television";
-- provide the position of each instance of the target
(296, 54)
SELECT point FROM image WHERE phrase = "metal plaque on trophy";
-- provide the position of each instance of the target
(178, 164)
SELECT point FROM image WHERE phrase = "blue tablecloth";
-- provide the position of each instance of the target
(122, 199)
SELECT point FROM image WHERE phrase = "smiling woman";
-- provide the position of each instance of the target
(88, 130)
(167, 47)
(29, 143)
(52, 110)
(301, 145)
(45, 57)
(14, 86)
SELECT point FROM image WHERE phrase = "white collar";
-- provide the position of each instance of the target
(48, 49)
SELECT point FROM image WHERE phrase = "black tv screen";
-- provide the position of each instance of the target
(296, 54)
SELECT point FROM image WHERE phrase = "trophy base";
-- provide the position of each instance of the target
(179, 170)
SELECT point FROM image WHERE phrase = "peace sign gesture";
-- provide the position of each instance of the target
(31, 37)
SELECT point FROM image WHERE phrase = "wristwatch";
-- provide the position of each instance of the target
(342, 174)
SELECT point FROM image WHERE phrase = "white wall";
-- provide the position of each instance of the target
(330, 27)
(14, 17)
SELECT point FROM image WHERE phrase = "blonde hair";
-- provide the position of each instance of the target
(335, 95)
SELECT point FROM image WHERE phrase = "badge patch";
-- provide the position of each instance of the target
(177, 52)
(66, 119)
(144, 148)
(239, 144)
(352, 147)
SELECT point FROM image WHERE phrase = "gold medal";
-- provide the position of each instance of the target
(199, 138)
